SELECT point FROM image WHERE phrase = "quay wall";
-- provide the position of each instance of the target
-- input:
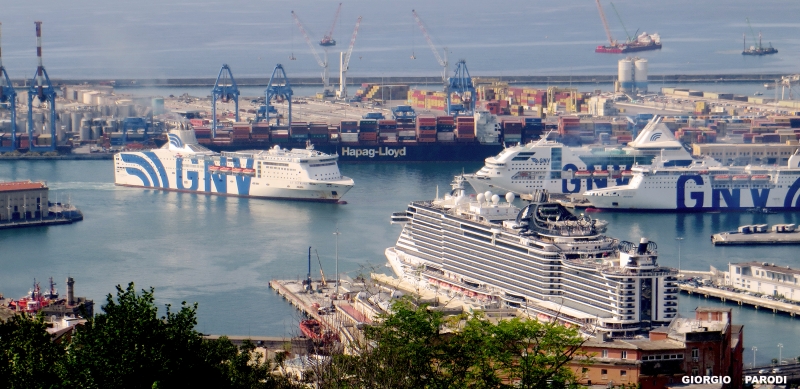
(315, 81)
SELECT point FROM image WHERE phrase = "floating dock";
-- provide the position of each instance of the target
(758, 234)
(742, 299)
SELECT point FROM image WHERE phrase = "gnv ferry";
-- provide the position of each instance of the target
(185, 166)
(704, 186)
(557, 168)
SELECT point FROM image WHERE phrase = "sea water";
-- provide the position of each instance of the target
(221, 252)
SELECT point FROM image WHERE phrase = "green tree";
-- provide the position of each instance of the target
(28, 357)
(415, 347)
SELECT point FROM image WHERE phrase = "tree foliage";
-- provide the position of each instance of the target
(130, 346)
(415, 347)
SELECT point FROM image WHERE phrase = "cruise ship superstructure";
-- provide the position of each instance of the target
(704, 185)
(550, 165)
(541, 258)
(185, 166)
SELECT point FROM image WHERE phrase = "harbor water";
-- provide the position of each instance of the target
(221, 252)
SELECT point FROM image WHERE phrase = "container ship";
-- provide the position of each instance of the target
(423, 138)
(642, 43)
(541, 259)
(184, 165)
(703, 186)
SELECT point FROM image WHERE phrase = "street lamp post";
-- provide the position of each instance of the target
(754, 356)
(337, 233)
(680, 240)
(780, 352)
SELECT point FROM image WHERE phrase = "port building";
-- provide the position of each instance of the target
(707, 345)
(764, 278)
(21, 200)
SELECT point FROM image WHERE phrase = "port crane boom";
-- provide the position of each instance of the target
(345, 62)
(442, 62)
(605, 23)
(753, 32)
(622, 23)
(327, 39)
(322, 63)
(8, 96)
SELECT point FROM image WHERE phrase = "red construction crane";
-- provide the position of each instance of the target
(611, 40)
(327, 39)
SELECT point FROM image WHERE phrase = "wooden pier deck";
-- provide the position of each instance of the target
(743, 299)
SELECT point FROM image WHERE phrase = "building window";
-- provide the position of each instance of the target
(603, 373)
(623, 375)
(708, 371)
(624, 355)
(695, 371)
(604, 354)
(695, 353)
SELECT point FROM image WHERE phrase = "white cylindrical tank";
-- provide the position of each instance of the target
(86, 129)
(625, 74)
(97, 131)
(640, 75)
(76, 121)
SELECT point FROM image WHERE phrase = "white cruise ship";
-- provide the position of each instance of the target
(557, 168)
(541, 259)
(185, 166)
(704, 186)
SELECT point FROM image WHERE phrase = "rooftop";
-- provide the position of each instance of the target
(769, 267)
(21, 185)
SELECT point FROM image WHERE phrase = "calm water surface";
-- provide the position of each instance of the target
(221, 252)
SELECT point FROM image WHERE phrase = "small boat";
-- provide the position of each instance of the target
(237, 170)
(760, 177)
(249, 171)
(627, 173)
(600, 173)
(721, 177)
(583, 173)
(702, 172)
(225, 169)
(213, 168)
(741, 177)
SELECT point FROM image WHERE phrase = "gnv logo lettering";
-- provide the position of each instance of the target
(540, 161)
(372, 153)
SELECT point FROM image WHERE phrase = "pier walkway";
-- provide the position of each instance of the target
(743, 299)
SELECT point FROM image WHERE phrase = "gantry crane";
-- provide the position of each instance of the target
(344, 62)
(280, 90)
(322, 63)
(611, 40)
(461, 84)
(8, 96)
(442, 61)
(225, 89)
(41, 88)
(327, 39)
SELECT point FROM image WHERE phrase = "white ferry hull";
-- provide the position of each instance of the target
(160, 169)
(700, 193)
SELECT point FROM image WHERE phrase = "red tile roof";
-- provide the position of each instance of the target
(20, 185)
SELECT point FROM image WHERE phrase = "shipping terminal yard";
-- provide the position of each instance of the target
(457, 117)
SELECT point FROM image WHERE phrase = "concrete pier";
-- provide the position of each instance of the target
(742, 299)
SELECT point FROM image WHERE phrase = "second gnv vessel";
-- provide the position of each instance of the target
(703, 185)
(557, 168)
(185, 166)
(542, 259)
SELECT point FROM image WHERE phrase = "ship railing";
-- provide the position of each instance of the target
(459, 284)
(637, 273)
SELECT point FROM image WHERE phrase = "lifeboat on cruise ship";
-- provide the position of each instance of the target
(702, 172)
(583, 174)
(760, 177)
(721, 177)
(213, 168)
(237, 170)
(225, 169)
(627, 173)
(600, 173)
(741, 177)
(249, 171)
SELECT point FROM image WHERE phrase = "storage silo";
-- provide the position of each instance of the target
(86, 129)
(640, 75)
(625, 74)
(76, 121)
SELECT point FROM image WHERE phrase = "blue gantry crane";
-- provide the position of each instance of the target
(461, 84)
(41, 88)
(224, 90)
(279, 89)
(401, 112)
(8, 97)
